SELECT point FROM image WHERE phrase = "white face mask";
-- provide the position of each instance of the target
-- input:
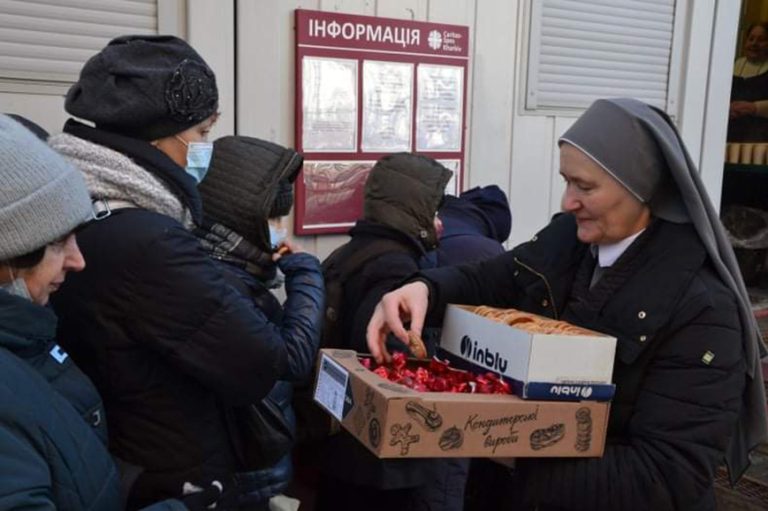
(277, 235)
(16, 287)
(198, 158)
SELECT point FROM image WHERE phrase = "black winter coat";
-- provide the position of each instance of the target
(345, 457)
(165, 339)
(674, 410)
(377, 277)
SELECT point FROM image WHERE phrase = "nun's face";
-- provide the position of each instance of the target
(605, 211)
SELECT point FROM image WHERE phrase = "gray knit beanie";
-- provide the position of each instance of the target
(42, 197)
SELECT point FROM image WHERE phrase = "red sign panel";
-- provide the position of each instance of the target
(367, 87)
(380, 34)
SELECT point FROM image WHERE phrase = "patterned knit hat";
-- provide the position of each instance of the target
(42, 197)
(145, 87)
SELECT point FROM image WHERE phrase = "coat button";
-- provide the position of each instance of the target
(534, 238)
(516, 273)
(423, 234)
(641, 314)
(544, 302)
(643, 338)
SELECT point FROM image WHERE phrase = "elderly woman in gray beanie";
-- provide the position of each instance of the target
(168, 343)
(638, 253)
(53, 432)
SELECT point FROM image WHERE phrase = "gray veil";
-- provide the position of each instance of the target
(636, 144)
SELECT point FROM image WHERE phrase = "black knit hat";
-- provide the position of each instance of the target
(243, 182)
(145, 87)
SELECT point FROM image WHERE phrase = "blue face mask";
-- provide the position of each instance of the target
(198, 158)
(276, 235)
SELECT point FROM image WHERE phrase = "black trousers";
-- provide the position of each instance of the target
(442, 491)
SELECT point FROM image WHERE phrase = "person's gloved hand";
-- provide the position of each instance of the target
(199, 499)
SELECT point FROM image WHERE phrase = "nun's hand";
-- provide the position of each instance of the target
(408, 303)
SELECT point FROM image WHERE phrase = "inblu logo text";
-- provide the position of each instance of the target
(571, 390)
(491, 359)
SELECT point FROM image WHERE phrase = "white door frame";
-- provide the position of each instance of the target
(713, 31)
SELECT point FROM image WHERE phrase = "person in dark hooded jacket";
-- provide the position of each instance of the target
(402, 195)
(475, 224)
(247, 190)
(169, 344)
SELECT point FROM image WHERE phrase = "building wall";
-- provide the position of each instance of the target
(506, 144)
(43, 102)
(250, 45)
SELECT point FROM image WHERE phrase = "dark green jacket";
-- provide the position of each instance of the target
(53, 452)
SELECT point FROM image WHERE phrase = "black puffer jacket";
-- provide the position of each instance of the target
(304, 290)
(673, 412)
(239, 193)
(166, 341)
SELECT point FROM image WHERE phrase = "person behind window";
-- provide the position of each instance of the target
(748, 114)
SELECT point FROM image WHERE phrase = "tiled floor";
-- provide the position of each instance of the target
(751, 492)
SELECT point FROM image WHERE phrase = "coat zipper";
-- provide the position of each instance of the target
(546, 283)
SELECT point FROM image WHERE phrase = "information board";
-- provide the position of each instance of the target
(367, 87)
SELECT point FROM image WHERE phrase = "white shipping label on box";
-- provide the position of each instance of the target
(571, 358)
(331, 388)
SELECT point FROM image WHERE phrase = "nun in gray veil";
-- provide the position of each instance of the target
(639, 253)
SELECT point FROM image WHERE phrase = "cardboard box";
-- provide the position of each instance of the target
(541, 366)
(394, 421)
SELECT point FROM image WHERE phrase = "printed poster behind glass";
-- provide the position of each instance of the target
(367, 87)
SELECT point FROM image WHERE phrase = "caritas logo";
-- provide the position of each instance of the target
(435, 39)
(483, 356)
